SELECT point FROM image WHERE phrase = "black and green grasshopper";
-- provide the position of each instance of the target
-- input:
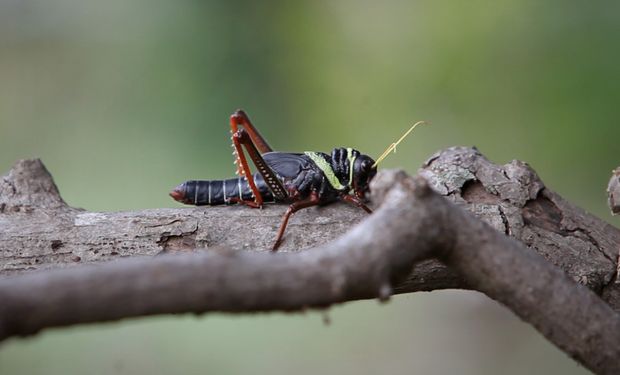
(300, 179)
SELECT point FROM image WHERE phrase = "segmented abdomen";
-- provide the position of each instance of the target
(216, 192)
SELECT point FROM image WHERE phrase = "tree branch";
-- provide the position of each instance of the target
(39, 231)
(412, 224)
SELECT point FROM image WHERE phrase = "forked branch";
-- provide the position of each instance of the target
(413, 223)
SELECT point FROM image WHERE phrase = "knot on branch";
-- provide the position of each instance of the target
(28, 186)
(453, 172)
(499, 194)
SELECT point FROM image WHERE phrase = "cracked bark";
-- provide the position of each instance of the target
(513, 199)
(41, 232)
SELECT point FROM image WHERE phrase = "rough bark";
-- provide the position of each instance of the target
(39, 231)
(411, 225)
(514, 200)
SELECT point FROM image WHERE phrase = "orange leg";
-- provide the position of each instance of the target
(244, 170)
(240, 118)
(241, 137)
(355, 201)
(251, 204)
(312, 200)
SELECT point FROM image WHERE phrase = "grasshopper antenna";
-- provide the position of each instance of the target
(392, 147)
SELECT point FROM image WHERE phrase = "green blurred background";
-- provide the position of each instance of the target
(124, 99)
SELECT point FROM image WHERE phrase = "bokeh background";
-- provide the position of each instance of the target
(124, 99)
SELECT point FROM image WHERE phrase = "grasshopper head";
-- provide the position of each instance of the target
(364, 171)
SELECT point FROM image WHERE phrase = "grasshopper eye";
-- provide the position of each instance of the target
(368, 169)
(366, 165)
(364, 171)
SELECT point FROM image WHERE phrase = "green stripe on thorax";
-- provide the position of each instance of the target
(351, 159)
(327, 169)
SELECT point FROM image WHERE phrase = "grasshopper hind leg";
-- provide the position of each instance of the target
(240, 118)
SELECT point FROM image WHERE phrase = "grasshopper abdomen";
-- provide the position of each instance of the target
(218, 192)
